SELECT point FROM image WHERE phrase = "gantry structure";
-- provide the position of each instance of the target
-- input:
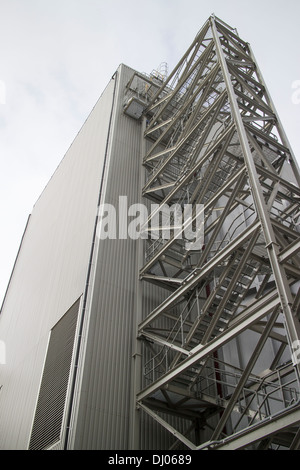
(218, 352)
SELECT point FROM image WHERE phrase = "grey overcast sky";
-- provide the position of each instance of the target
(57, 56)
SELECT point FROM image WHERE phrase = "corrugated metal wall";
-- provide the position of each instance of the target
(55, 268)
(102, 415)
(50, 273)
(101, 404)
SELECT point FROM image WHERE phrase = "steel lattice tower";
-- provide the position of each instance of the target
(218, 352)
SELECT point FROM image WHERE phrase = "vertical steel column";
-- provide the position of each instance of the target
(271, 243)
(280, 127)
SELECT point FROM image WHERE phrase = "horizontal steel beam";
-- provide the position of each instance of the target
(195, 277)
(195, 45)
(290, 251)
(265, 429)
(209, 204)
(164, 342)
(250, 316)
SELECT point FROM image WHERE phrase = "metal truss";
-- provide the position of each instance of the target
(219, 349)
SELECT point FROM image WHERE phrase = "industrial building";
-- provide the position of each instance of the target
(129, 323)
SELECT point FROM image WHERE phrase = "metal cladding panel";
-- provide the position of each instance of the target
(101, 406)
(50, 271)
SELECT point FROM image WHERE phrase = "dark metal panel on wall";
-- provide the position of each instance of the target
(47, 424)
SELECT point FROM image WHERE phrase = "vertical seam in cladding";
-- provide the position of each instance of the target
(73, 383)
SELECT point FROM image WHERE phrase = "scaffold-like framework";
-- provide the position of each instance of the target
(219, 352)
